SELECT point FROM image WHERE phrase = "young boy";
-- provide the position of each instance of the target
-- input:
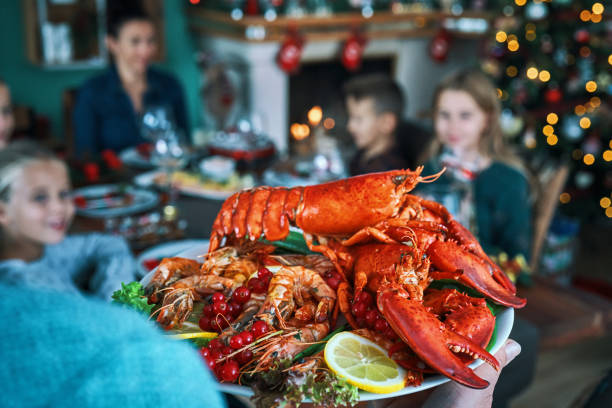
(375, 105)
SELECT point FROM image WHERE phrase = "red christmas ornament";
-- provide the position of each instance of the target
(582, 36)
(92, 172)
(290, 53)
(110, 158)
(439, 46)
(352, 52)
(553, 95)
(252, 8)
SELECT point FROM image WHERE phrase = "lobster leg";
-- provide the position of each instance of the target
(430, 339)
(467, 239)
(449, 257)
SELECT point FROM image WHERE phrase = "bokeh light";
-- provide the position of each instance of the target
(315, 114)
(532, 73)
(548, 130)
(513, 45)
(565, 198)
(501, 36)
(552, 140)
(552, 118)
(597, 8)
(588, 159)
(604, 202)
(591, 86)
(544, 75)
(511, 71)
(329, 123)
(579, 110)
(585, 123)
(607, 155)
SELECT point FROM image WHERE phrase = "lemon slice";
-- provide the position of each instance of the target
(191, 330)
(363, 363)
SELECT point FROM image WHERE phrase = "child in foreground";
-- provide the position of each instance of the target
(36, 209)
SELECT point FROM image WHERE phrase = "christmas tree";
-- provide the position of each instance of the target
(552, 61)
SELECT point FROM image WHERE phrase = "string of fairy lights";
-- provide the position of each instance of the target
(541, 76)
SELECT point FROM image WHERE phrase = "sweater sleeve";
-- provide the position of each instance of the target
(105, 262)
(69, 351)
(510, 217)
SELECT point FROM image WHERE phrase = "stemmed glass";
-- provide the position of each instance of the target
(170, 154)
(155, 121)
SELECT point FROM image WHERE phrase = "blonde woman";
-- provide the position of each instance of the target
(484, 186)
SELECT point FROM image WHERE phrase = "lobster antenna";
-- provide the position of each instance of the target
(432, 177)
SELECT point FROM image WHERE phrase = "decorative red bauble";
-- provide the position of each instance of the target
(252, 8)
(553, 95)
(290, 53)
(582, 36)
(92, 172)
(439, 46)
(352, 52)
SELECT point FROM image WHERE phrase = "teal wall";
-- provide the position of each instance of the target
(42, 89)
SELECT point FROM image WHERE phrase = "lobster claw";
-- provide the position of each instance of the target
(429, 338)
(448, 256)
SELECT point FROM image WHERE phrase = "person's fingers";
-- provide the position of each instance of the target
(509, 351)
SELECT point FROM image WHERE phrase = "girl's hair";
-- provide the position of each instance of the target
(14, 158)
(480, 88)
(119, 12)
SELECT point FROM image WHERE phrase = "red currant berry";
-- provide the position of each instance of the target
(381, 325)
(216, 344)
(365, 298)
(211, 363)
(220, 307)
(234, 309)
(236, 342)
(333, 283)
(370, 317)
(241, 295)
(264, 273)
(244, 357)
(216, 355)
(247, 337)
(359, 309)
(208, 311)
(204, 323)
(259, 329)
(230, 371)
(204, 352)
(218, 297)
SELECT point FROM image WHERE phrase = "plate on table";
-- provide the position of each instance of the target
(149, 259)
(138, 156)
(503, 325)
(192, 184)
(113, 200)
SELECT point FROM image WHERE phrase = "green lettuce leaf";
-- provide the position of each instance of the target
(132, 295)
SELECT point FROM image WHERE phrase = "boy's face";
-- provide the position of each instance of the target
(40, 206)
(365, 125)
(7, 120)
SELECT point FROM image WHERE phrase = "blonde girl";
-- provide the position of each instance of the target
(36, 210)
(491, 189)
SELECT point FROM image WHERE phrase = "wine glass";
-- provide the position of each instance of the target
(170, 154)
(156, 120)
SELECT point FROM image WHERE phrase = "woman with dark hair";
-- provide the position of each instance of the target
(106, 115)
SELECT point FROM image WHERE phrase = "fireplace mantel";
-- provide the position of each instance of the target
(340, 26)
(268, 85)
